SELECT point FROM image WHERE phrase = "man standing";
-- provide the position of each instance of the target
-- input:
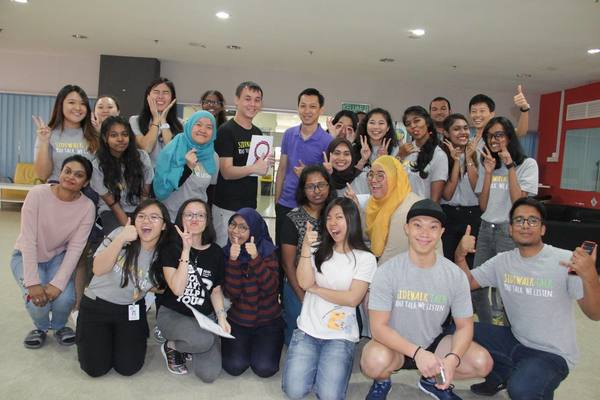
(410, 298)
(302, 145)
(534, 354)
(236, 188)
(439, 109)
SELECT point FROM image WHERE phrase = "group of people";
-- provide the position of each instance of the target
(374, 237)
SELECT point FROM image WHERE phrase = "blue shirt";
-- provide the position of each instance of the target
(309, 151)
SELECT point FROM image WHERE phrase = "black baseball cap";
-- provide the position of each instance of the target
(428, 208)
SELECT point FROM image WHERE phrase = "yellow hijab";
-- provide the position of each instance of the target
(379, 212)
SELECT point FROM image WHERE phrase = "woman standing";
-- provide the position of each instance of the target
(340, 163)
(111, 327)
(55, 223)
(213, 101)
(252, 283)
(69, 132)
(343, 125)
(188, 164)
(378, 130)
(122, 173)
(314, 192)
(157, 123)
(336, 280)
(425, 162)
(191, 271)
(106, 106)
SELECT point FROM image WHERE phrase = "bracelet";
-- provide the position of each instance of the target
(509, 166)
(156, 125)
(525, 109)
(455, 355)
(416, 351)
(184, 261)
(221, 312)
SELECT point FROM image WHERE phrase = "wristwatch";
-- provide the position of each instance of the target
(511, 165)
(165, 126)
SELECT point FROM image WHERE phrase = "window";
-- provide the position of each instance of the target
(581, 164)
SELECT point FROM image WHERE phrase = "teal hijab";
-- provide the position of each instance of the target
(171, 160)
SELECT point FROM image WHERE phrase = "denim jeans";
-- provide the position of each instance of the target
(291, 310)
(60, 308)
(491, 240)
(319, 364)
(529, 374)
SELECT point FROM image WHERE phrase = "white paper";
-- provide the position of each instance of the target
(260, 147)
(74, 315)
(150, 299)
(209, 325)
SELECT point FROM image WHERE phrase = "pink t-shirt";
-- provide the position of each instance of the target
(50, 226)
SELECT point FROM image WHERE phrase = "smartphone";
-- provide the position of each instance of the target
(440, 378)
(588, 246)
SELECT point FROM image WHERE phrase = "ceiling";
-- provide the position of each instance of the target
(472, 43)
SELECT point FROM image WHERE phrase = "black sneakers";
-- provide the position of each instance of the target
(487, 388)
(174, 359)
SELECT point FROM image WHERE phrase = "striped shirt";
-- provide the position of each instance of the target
(253, 290)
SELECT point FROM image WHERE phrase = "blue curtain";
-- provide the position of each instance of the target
(530, 143)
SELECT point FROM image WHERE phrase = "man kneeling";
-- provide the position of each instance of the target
(410, 298)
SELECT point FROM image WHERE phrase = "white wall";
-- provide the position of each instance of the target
(27, 72)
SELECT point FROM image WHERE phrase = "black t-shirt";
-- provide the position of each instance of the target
(234, 141)
(206, 270)
(294, 227)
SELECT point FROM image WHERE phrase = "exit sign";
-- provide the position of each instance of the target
(356, 107)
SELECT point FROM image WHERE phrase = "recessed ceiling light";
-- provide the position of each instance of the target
(524, 75)
(234, 47)
(386, 60)
(416, 33)
(196, 44)
(79, 36)
(593, 51)
(222, 15)
(19, 1)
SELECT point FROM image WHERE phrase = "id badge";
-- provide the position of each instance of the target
(134, 312)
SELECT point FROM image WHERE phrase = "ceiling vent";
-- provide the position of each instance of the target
(590, 109)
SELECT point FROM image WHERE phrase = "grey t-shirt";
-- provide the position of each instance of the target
(420, 299)
(108, 286)
(64, 144)
(437, 169)
(464, 195)
(97, 183)
(538, 295)
(499, 202)
(194, 187)
(158, 146)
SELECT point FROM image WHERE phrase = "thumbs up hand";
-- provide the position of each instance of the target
(251, 248)
(310, 236)
(467, 244)
(234, 251)
(520, 100)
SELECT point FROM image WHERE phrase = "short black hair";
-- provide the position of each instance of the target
(312, 92)
(528, 201)
(482, 98)
(85, 163)
(252, 86)
(440, 98)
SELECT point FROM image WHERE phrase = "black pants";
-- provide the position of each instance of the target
(107, 339)
(458, 218)
(280, 213)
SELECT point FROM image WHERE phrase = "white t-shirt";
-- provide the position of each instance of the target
(437, 170)
(324, 320)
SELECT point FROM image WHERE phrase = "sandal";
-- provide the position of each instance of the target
(65, 336)
(35, 339)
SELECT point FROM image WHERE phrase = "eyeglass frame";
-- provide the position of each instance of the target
(312, 187)
(153, 218)
(242, 228)
(188, 216)
(379, 176)
(520, 221)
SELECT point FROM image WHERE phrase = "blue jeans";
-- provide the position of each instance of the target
(291, 310)
(60, 307)
(324, 365)
(491, 240)
(528, 373)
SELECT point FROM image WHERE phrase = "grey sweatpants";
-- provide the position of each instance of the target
(205, 347)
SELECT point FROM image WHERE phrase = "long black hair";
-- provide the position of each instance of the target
(301, 197)
(354, 235)
(57, 117)
(448, 122)
(426, 152)
(221, 116)
(390, 134)
(132, 251)
(513, 146)
(145, 117)
(128, 168)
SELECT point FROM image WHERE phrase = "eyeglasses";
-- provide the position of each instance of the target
(312, 187)
(240, 227)
(154, 218)
(531, 221)
(188, 216)
(496, 135)
(376, 176)
(212, 102)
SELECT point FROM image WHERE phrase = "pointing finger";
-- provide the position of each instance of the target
(468, 231)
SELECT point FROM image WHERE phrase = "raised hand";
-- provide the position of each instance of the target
(327, 164)
(298, 168)
(504, 155)
(43, 132)
(96, 122)
(153, 109)
(583, 263)
(349, 193)
(454, 151)
(310, 236)
(489, 162)
(407, 149)
(334, 130)
(251, 248)
(262, 165)
(186, 237)
(365, 151)
(163, 114)
(520, 100)
(383, 149)
(471, 147)
(129, 233)
(234, 251)
(191, 159)
(467, 243)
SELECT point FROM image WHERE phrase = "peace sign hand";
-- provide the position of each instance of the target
(298, 168)
(96, 122)
(43, 132)
(186, 238)
(327, 164)
(383, 149)
(489, 163)
(251, 248)
(504, 155)
(471, 147)
(349, 193)
(365, 151)
(454, 151)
